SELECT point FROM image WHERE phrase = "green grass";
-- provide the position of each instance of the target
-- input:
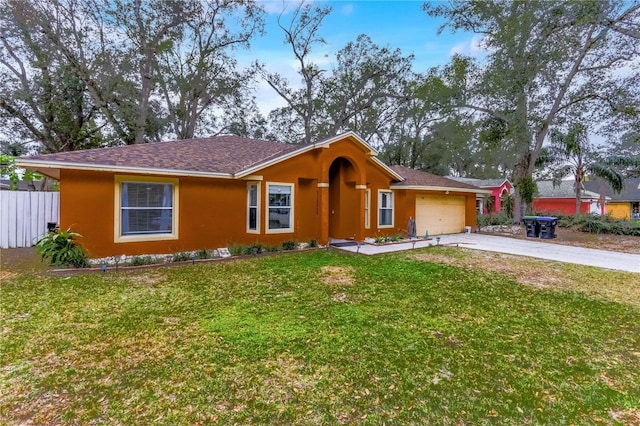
(271, 341)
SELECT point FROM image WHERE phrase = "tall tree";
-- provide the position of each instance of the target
(360, 89)
(543, 59)
(363, 90)
(150, 27)
(198, 72)
(302, 35)
(41, 97)
(142, 69)
(571, 154)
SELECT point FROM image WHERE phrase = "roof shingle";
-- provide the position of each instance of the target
(630, 190)
(220, 154)
(419, 178)
(562, 189)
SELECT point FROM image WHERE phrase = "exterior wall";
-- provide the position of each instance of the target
(565, 206)
(619, 210)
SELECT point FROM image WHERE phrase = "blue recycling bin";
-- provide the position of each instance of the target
(547, 227)
(532, 227)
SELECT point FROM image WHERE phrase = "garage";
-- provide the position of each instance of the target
(440, 214)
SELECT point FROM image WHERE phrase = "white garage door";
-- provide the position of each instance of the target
(440, 214)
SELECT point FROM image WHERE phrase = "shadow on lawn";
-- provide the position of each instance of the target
(21, 260)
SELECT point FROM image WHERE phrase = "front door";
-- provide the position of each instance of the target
(344, 200)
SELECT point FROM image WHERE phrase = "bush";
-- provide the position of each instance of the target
(182, 257)
(60, 248)
(313, 243)
(600, 224)
(289, 245)
(203, 254)
(142, 260)
(501, 218)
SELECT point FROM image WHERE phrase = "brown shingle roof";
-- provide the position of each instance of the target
(419, 178)
(220, 154)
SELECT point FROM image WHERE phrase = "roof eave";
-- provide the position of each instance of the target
(440, 188)
(58, 165)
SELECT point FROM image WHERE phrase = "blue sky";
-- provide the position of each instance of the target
(389, 23)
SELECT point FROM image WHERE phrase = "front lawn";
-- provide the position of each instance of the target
(314, 338)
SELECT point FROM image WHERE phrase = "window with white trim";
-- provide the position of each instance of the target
(253, 196)
(385, 208)
(280, 207)
(367, 206)
(145, 208)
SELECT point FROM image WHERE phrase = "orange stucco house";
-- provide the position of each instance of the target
(169, 197)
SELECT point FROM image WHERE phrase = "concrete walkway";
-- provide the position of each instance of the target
(529, 247)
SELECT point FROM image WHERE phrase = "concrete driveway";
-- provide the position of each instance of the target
(529, 247)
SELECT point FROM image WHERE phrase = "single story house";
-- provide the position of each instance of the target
(169, 197)
(560, 198)
(499, 188)
(626, 204)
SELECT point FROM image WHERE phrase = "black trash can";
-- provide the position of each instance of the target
(547, 227)
(531, 226)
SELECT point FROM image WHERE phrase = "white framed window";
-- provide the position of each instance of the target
(253, 207)
(145, 209)
(279, 207)
(385, 209)
(367, 207)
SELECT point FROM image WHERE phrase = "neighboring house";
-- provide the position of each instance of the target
(624, 205)
(23, 185)
(499, 189)
(184, 195)
(560, 198)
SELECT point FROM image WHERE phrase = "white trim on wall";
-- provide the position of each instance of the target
(117, 218)
(268, 208)
(392, 208)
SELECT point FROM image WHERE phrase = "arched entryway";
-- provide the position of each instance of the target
(344, 200)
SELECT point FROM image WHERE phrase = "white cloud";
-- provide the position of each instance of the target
(277, 7)
(472, 47)
(347, 9)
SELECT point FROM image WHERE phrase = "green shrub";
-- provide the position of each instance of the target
(60, 248)
(501, 218)
(599, 224)
(289, 245)
(203, 254)
(181, 256)
(313, 243)
(238, 249)
(142, 260)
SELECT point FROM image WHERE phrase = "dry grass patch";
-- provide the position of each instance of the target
(287, 378)
(336, 275)
(609, 285)
(7, 275)
(630, 417)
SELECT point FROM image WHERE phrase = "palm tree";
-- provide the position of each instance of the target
(571, 153)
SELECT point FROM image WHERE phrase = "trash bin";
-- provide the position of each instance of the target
(532, 226)
(547, 227)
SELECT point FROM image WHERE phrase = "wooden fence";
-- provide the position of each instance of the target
(24, 216)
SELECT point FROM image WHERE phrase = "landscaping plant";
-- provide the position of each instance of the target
(61, 249)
